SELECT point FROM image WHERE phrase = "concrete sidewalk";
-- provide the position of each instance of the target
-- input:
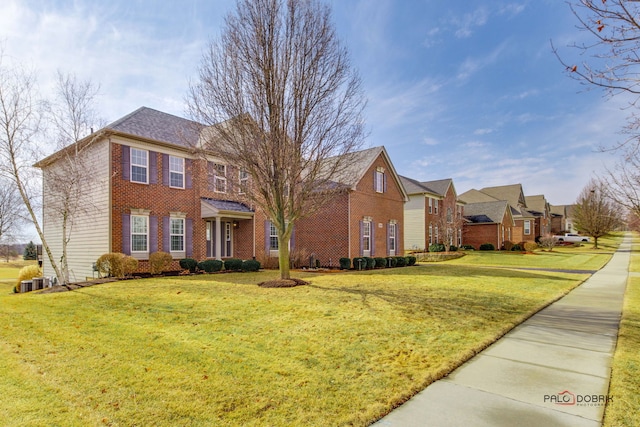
(552, 370)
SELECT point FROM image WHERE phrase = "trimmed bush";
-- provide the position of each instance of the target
(159, 262)
(411, 260)
(380, 262)
(516, 248)
(233, 264)
(345, 263)
(111, 264)
(250, 265)
(391, 262)
(487, 247)
(401, 261)
(27, 273)
(371, 263)
(468, 247)
(530, 246)
(359, 263)
(129, 265)
(189, 264)
(210, 265)
(436, 247)
(453, 248)
(508, 245)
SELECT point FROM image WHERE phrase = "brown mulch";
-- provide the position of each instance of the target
(74, 286)
(282, 283)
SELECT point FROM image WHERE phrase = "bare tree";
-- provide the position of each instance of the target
(20, 120)
(548, 242)
(595, 213)
(611, 60)
(449, 224)
(68, 179)
(286, 105)
(623, 182)
(11, 209)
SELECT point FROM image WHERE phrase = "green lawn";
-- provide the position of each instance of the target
(625, 375)
(219, 350)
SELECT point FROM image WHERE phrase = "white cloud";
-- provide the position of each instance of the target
(484, 131)
(469, 22)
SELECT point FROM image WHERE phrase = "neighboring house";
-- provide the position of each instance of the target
(558, 215)
(488, 222)
(152, 191)
(524, 228)
(366, 220)
(541, 209)
(433, 214)
(568, 222)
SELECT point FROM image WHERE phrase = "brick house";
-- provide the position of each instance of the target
(488, 222)
(367, 220)
(523, 229)
(433, 214)
(541, 209)
(152, 191)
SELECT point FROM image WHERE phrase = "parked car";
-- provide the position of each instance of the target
(572, 238)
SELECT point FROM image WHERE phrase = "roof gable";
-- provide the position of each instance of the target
(511, 193)
(487, 212)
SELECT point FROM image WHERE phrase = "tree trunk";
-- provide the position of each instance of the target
(283, 251)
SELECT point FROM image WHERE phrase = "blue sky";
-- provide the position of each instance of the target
(468, 90)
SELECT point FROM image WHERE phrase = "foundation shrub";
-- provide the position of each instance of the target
(210, 265)
(401, 261)
(371, 263)
(530, 246)
(380, 262)
(345, 263)
(411, 260)
(391, 262)
(487, 247)
(111, 264)
(436, 247)
(508, 245)
(359, 263)
(129, 265)
(250, 265)
(159, 262)
(189, 264)
(233, 264)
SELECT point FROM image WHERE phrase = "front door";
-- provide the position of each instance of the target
(225, 234)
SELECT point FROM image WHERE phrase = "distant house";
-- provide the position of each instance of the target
(433, 214)
(152, 192)
(558, 218)
(524, 228)
(488, 222)
(541, 209)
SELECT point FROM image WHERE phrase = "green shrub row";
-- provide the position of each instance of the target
(214, 265)
(368, 263)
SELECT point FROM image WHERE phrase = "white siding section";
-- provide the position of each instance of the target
(414, 232)
(89, 237)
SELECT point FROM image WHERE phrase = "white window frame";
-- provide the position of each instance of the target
(430, 205)
(379, 182)
(220, 178)
(176, 167)
(177, 234)
(435, 206)
(274, 244)
(527, 227)
(135, 159)
(243, 177)
(449, 215)
(366, 238)
(430, 234)
(138, 232)
(392, 238)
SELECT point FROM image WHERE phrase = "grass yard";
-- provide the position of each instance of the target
(625, 376)
(219, 350)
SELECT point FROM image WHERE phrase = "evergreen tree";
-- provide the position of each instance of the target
(30, 252)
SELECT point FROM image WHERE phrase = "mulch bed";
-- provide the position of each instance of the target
(282, 283)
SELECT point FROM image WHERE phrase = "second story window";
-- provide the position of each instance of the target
(379, 180)
(244, 181)
(176, 172)
(139, 166)
(430, 205)
(220, 178)
(449, 215)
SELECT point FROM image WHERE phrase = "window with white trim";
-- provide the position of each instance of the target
(176, 172)
(176, 227)
(139, 166)
(366, 238)
(244, 181)
(430, 205)
(435, 206)
(273, 238)
(220, 178)
(449, 215)
(392, 238)
(139, 233)
(430, 234)
(527, 227)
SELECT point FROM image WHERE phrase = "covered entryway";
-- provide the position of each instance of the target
(222, 217)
